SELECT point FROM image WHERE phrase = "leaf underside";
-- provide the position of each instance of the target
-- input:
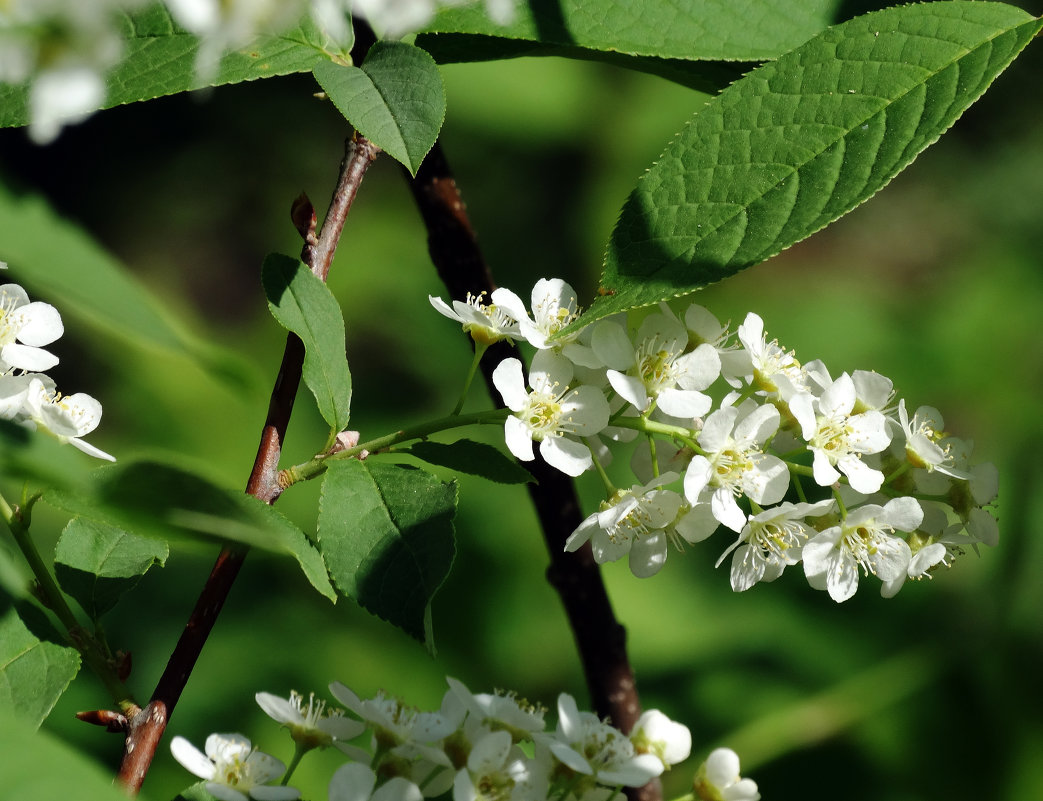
(801, 141)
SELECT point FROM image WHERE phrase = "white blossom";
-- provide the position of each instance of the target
(553, 307)
(654, 733)
(66, 417)
(232, 769)
(25, 327)
(486, 323)
(924, 446)
(357, 782)
(718, 779)
(552, 414)
(314, 725)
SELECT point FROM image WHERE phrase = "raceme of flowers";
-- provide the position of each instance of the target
(475, 746)
(800, 466)
(65, 48)
(28, 396)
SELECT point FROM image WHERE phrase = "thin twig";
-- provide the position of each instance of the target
(600, 638)
(145, 729)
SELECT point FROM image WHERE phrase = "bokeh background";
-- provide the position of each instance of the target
(936, 282)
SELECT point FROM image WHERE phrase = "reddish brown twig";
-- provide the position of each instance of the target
(146, 727)
(600, 639)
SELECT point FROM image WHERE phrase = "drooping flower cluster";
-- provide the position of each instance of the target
(65, 48)
(802, 467)
(476, 746)
(28, 396)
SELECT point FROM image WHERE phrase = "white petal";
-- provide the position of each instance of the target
(24, 357)
(717, 430)
(274, 793)
(696, 477)
(722, 766)
(550, 371)
(904, 514)
(727, 510)
(509, 381)
(611, 343)
(770, 480)
(489, 753)
(510, 303)
(684, 403)
(838, 398)
(634, 772)
(697, 524)
(222, 792)
(700, 368)
(757, 426)
(191, 758)
(569, 721)
(518, 438)
(891, 558)
(41, 324)
(352, 782)
(862, 477)
(630, 388)
(567, 455)
(648, 555)
(586, 411)
(582, 533)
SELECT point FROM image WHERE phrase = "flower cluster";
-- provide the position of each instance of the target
(64, 48)
(475, 746)
(800, 466)
(28, 396)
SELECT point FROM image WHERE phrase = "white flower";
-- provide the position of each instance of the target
(24, 328)
(233, 769)
(592, 748)
(486, 323)
(865, 538)
(922, 441)
(66, 417)
(499, 711)
(356, 782)
(63, 95)
(313, 726)
(659, 369)
(768, 359)
(633, 522)
(654, 733)
(13, 391)
(498, 769)
(838, 438)
(718, 779)
(770, 541)
(735, 464)
(552, 413)
(553, 307)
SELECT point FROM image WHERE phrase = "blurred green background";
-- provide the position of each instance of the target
(935, 283)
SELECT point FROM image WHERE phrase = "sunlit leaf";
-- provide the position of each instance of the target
(801, 141)
(395, 99)
(303, 304)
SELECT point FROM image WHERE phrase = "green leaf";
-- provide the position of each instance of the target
(38, 765)
(57, 258)
(386, 534)
(476, 458)
(97, 563)
(696, 30)
(197, 792)
(303, 304)
(160, 59)
(40, 459)
(34, 672)
(801, 141)
(167, 501)
(396, 99)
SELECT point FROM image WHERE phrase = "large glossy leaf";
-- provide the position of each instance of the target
(695, 30)
(34, 670)
(38, 765)
(303, 304)
(55, 257)
(386, 533)
(160, 59)
(801, 141)
(396, 99)
(96, 563)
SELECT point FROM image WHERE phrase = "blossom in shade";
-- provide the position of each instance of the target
(552, 414)
(312, 725)
(864, 540)
(232, 769)
(66, 417)
(486, 323)
(654, 733)
(358, 782)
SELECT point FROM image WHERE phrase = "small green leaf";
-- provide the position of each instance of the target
(801, 141)
(160, 59)
(167, 501)
(33, 672)
(38, 765)
(386, 533)
(303, 304)
(396, 99)
(695, 30)
(97, 563)
(476, 458)
(197, 792)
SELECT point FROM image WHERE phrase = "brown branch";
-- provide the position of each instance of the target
(600, 638)
(145, 728)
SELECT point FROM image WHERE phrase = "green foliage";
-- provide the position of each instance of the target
(36, 458)
(34, 670)
(468, 456)
(160, 59)
(395, 99)
(303, 304)
(801, 141)
(97, 563)
(38, 765)
(386, 533)
(197, 792)
(166, 501)
(699, 30)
